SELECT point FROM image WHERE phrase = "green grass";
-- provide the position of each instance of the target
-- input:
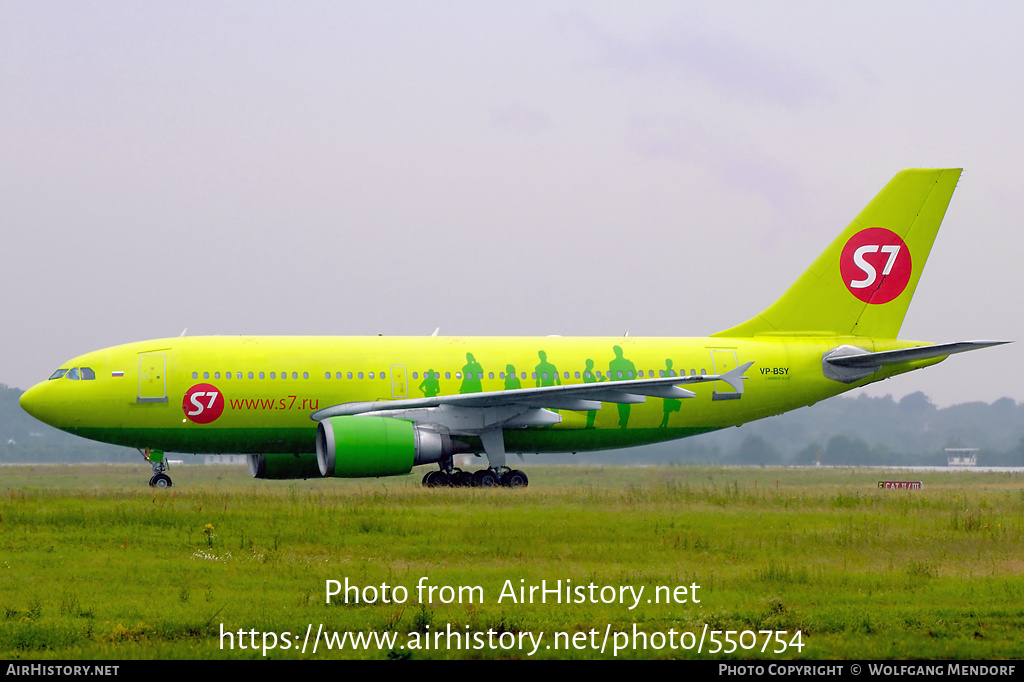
(94, 564)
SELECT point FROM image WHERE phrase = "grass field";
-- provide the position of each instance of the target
(94, 564)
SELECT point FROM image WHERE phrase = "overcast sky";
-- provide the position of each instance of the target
(512, 168)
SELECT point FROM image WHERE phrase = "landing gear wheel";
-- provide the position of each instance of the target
(436, 479)
(485, 478)
(514, 479)
(160, 481)
(462, 479)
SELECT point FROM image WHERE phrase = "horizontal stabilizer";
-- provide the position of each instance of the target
(849, 363)
(893, 357)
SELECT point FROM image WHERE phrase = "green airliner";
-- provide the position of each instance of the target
(303, 407)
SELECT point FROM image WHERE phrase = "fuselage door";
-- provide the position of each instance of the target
(152, 378)
(399, 386)
(723, 360)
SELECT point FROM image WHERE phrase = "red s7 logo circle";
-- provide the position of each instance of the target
(203, 403)
(875, 265)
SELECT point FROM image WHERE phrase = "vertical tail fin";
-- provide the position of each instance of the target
(861, 285)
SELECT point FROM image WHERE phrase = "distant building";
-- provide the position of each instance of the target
(225, 459)
(962, 457)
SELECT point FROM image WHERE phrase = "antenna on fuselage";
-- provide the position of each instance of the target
(182, 335)
(436, 331)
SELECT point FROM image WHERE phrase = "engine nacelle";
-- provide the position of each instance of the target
(358, 447)
(281, 466)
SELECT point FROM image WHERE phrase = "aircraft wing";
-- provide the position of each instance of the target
(568, 397)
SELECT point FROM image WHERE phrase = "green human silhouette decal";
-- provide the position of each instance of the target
(547, 374)
(589, 378)
(671, 404)
(430, 385)
(511, 380)
(621, 369)
(472, 373)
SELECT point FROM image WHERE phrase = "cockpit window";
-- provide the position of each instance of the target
(75, 373)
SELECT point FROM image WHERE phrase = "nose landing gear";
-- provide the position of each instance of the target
(156, 458)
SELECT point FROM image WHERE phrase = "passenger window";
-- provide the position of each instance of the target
(239, 375)
(273, 375)
(371, 375)
(415, 375)
(305, 375)
(262, 375)
(349, 375)
(360, 375)
(295, 375)
(447, 375)
(382, 375)
(490, 375)
(250, 375)
(338, 375)
(195, 375)
(206, 375)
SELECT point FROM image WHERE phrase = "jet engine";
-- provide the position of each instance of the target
(358, 446)
(281, 466)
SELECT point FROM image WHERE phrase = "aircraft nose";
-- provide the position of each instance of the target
(33, 401)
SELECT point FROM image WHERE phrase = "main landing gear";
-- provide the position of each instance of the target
(156, 459)
(484, 478)
(495, 474)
